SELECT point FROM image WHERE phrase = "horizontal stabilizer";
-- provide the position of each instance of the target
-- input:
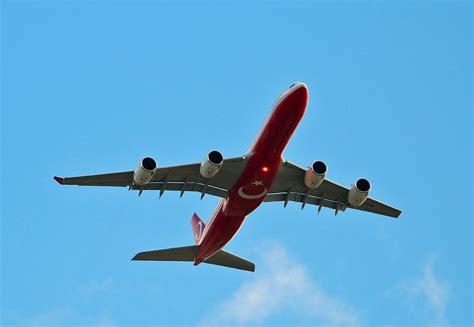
(185, 253)
(188, 253)
(227, 259)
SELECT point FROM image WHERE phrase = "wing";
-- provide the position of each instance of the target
(289, 186)
(181, 178)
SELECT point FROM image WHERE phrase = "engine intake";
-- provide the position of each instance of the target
(359, 192)
(315, 174)
(145, 171)
(211, 164)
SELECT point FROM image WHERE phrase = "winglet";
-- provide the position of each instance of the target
(60, 180)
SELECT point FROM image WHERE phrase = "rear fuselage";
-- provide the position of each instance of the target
(258, 175)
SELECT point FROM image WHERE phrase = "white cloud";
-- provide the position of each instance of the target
(66, 316)
(434, 291)
(281, 284)
(94, 287)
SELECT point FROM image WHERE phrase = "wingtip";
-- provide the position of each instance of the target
(60, 180)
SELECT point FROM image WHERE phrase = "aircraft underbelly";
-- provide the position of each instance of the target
(257, 178)
(246, 195)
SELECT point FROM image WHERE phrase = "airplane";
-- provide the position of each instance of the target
(242, 183)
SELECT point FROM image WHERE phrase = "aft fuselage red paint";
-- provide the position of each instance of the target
(260, 172)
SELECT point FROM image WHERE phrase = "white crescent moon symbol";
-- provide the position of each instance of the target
(200, 228)
(251, 197)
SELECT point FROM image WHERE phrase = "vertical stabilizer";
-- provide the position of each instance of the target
(198, 227)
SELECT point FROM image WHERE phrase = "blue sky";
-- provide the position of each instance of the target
(91, 87)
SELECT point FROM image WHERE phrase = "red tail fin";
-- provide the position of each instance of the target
(198, 227)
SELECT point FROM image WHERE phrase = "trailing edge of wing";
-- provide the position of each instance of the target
(369, 205)
(185, 187)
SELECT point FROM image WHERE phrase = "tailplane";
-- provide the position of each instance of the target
(198, 227)
(188, 253)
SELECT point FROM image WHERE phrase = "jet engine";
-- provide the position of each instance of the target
(145, 171)
(315, 174)
(359, 192)
(211, 164)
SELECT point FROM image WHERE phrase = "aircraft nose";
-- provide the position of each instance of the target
(297, 84)
(300, 91)
(295, 100)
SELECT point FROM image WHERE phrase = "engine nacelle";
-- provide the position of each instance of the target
(359, 192)
(315, 174)
(145, 171)
(211, 164)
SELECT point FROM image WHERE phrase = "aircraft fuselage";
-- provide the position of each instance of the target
(258, 176)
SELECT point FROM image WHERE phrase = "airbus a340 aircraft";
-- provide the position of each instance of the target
(242, 183)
